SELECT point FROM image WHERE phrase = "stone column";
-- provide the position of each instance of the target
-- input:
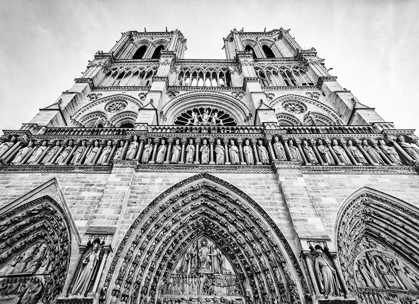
(310, 267)
(240, 143)
(10, 152)
(197, 142)
(71, 153)
(182, 158)
(255, 152)
(287, 149)
(399, 149)
(140, 149)
(169, 149)
(227, 156)
(271, 150)
(106, 249)
(340, 275)
(303, 155)
(328, 144)
(114, 147)
(34, 148)
(211, 142)
(89, 147)
(52, 161)
(49, 146)
(156, 145)
(124, 151)
(314, 147)
(103, 143)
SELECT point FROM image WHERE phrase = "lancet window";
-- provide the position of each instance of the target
(204, 78)
(249, 48)
(268, 52)
(139, 54)
(283, 76)
(157, 51)
(136, 76)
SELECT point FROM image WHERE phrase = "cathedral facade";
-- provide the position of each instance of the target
(256, 179)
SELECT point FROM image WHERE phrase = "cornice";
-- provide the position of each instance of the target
(323, 79)
(196, 88)
(123, 88)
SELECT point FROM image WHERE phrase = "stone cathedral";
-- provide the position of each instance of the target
(255, 179)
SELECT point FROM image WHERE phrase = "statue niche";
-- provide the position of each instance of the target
(202, 271)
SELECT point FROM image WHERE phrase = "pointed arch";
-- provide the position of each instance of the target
(376, 237)
(204, 205)
(36, 232)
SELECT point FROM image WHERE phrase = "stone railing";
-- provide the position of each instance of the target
(210, 145)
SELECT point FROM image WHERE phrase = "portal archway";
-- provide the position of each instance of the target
(377, 246)
(262, 264)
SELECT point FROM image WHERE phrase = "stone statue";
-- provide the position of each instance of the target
(78, 153)
(22, 154)
(326, 274)
(340, 153)
(219, 153)
(89, 264)
(234, 153)
(325, 153)
(294, 153)
(218, 261)
(176, 153)
(7, 145)
(311, 156)
(365, 274)
(375, 157)
(214, 118)
(119, 150)
(92, 154)
(103, 159)
(161, 152)
(51, 153)
(190, 152)
(205, 117)
(279, 149)
(64, 154)
(194, 120)
(411, 149)
(205, 150)
(37, 154)
(33, 292)
(38, 259)
(148, 149)
(390, 152)
(204, 256)
(248, 153)
(359, 157)
(132, 149)
(263, 153)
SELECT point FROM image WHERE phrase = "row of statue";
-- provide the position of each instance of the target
(200, 300)
(21, 290)
(250, 152)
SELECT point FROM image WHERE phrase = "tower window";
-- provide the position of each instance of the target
(139, 54)
(248, 48)
(157, 51)
(268, 52)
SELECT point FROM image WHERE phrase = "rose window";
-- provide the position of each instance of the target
(205, 117)
(294, 107)
(115, 106)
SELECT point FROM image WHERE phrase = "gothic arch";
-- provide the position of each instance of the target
(222, 101)
(124, 117)
(376, 237)
(35, 246)
(293, 97)
(204, 206)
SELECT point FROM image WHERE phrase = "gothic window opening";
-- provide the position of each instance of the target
(139, 54)
(157, 51)
(248, 48)
(127, 125)
(205, 117)
(268, 52)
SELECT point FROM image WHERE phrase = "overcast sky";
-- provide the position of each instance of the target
(371, 45)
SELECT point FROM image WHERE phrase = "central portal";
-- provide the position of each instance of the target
(202, 272)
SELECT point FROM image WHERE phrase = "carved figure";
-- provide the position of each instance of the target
(325, 153)
(176, 152)
(326, 274)
(38, 259)
(410, 149)
(340, 153)
(214, 119)
(22, 153)
(118, 153)
(204, 256)
(205, 117)
(294, 153)
(78, 153)
(92, 154)
(194, 120)
(161, 152)
(103, 159)
(385, 273)
(390, 152)
(365, 274)
(218, 261)
(263, 153)
(132, 149)
(311, 157)
(219, 153)
(37, 154)
(375, 157)
(51, 153)
(205, 150)
(359, 157)
(279, 149)
(148, 149)
(89, 264)
(6, 145)
(248, 153)
(64, 154)
(33, 292)
(234, 153)
(190, 152)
